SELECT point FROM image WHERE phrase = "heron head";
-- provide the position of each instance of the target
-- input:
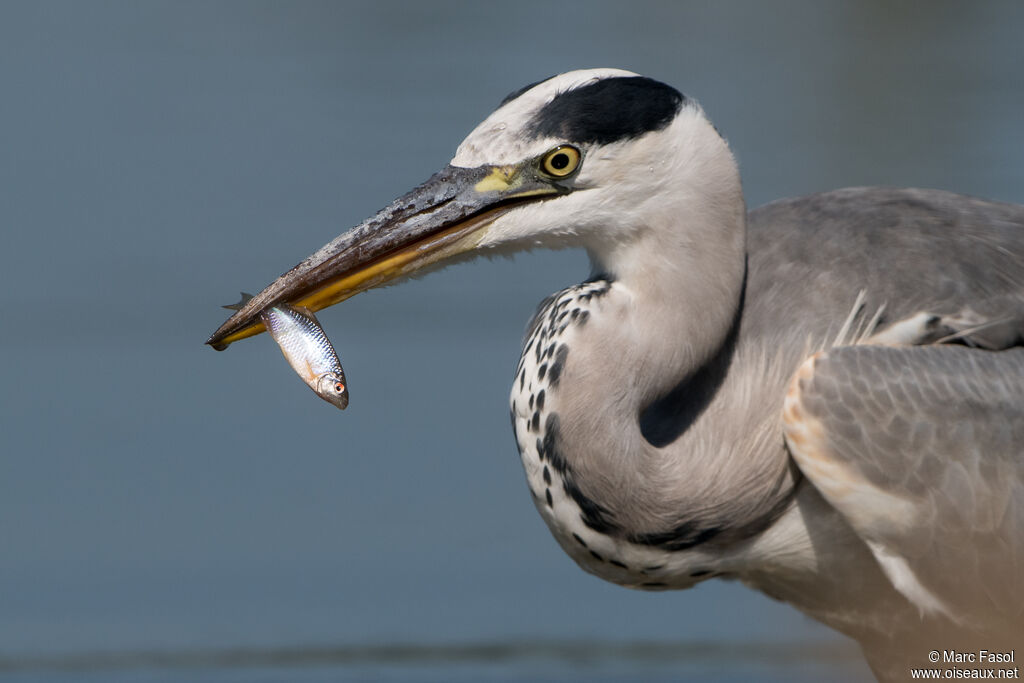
(591, 158)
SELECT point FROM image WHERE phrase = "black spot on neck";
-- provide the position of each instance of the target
(555, 373)
(609, 110)
(548, 448)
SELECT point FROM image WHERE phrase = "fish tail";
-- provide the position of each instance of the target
(238, 306)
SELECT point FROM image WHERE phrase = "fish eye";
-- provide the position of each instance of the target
(561, 161)
(339, 387)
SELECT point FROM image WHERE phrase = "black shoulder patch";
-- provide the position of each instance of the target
(516, 93)
(609, 110)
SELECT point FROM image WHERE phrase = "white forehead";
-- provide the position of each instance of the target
(500, 138)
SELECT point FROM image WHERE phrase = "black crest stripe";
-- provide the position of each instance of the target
(609, 110)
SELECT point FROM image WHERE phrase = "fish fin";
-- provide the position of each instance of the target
(238, 306)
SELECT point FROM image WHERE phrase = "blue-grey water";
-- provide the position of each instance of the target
(170, 513)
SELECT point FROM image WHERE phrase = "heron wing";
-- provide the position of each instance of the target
(921, 449)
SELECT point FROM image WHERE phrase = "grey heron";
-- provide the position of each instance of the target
(823, 398)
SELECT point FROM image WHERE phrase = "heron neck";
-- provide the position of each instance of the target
(667, 317)
(678, 279)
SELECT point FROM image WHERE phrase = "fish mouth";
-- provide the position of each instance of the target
(438, 220)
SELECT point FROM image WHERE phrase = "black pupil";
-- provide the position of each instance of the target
(560, 161)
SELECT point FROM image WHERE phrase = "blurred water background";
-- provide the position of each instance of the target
(171, 513)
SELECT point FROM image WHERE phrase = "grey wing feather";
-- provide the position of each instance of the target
(922, 451)
(911, 251)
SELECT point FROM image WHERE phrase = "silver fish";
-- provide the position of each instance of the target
(306, 348)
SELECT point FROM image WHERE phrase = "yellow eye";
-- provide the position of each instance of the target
(561, 161)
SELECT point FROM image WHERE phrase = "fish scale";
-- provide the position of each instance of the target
(301, 337)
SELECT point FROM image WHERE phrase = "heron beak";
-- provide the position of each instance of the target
(445, 216)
